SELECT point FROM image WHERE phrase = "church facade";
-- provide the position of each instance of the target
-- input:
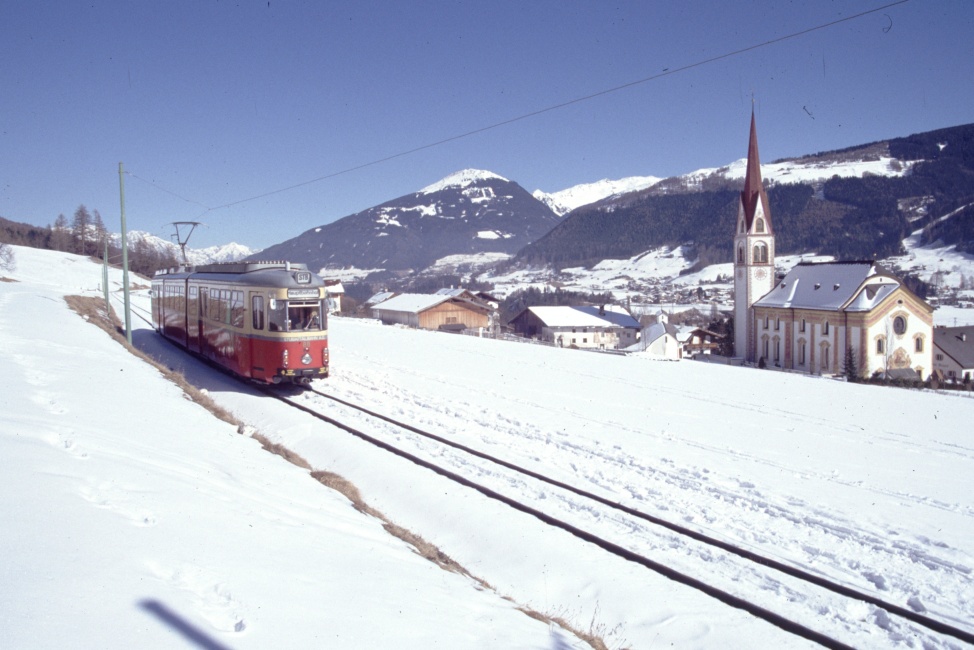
(813, 317)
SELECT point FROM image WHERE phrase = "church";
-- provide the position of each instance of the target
(809, 319)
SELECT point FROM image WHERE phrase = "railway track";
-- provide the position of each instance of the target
(803, 577)
(299, 399)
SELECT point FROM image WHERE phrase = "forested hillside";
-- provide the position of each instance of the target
(850, 218)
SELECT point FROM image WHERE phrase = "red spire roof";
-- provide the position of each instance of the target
(753, 187)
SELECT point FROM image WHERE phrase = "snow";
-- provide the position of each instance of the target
(564, 201)
(461, 179)
(799, 171)
(120, 495)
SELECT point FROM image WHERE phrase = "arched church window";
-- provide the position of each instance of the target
(760, 253)
(740, 254)
(759, 226)
(741, 229)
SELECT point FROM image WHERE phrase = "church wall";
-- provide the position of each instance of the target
(899, 349)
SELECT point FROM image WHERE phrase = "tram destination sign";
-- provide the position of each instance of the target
(302, 293)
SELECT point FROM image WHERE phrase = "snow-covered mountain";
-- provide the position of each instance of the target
(564, 201)
(211, 255)
(467, 213)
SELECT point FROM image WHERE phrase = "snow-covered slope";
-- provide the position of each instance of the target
(132, 518)
(461, 180)
(564, 201)
(156, 517)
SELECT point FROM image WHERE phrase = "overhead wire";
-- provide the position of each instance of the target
(664, 73)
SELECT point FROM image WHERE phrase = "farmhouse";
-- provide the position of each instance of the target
(432, 312)
(700, 341)
(602, 328)
(809, 320)
(953, 352)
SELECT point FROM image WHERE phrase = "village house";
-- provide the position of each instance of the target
(601, 328)
(432, 312)
(953, 352)
(661, 340)
(808, 320)
(700, 341)
(334, 292)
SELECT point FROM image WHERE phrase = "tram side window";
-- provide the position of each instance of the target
(257, 308)
(277, 316)
(221, 306)
(192, 301)
(237, 308)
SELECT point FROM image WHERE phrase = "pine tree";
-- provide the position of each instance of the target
(851, 369)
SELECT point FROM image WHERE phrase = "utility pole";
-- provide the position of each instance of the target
(125, 257)
(104, 278)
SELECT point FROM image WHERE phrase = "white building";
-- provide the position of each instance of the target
(602, 328)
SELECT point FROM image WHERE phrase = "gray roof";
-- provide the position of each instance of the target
(831, 286)
(957, 343)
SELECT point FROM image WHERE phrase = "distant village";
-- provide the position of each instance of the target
(852, 318)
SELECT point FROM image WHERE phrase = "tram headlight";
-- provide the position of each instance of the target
(324, 356)
(306, 359)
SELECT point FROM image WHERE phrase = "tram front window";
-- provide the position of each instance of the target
(277, 316)
(304, 316)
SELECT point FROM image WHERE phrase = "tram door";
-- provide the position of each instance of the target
(192, 318)
(204, 307)
(257, 321)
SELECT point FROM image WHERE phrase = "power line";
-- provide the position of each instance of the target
(665, 73)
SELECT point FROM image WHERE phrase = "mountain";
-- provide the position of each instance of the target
(469, 212)
(231, 252)
(565, 201)
(856, 203)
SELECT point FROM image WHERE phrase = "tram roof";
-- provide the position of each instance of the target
(267, 273)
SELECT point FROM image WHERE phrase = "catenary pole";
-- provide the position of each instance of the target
(125, 256)
(104, 279)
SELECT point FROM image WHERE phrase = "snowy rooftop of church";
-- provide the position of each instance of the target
(830, 286)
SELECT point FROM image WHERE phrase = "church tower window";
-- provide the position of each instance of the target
(759, 226)
(760, 253)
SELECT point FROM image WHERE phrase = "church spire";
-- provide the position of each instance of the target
(753, 187)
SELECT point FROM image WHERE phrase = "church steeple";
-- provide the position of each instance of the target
(754, 193)
(753, 252)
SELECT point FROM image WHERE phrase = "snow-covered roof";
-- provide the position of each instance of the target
(450, 292)
(585, 317)
(827, 286)
(382, 296)
(656, 330)
(412, 302)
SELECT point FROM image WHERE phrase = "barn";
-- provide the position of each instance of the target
(432, 312)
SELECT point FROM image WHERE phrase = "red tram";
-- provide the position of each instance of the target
(261, 320)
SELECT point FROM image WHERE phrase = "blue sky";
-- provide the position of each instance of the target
(213, 102)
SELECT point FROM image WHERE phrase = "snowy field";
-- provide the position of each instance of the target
(131, 515)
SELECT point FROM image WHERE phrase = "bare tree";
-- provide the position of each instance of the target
(99, 232)
(79, 228)
(6, 257)
(61, 233)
